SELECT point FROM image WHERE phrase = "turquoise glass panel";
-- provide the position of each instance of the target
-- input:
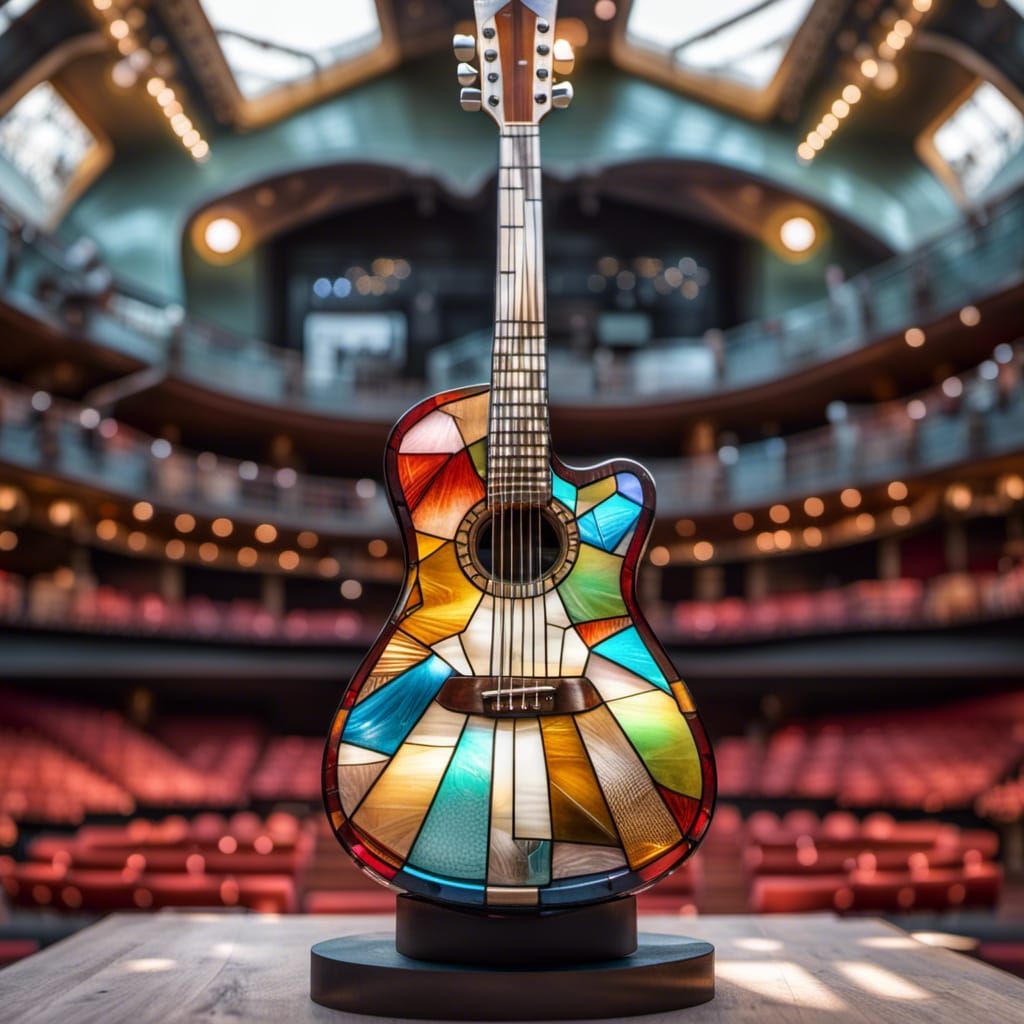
(606, 524)
(385, 718)
(626, 648)
(563, 491)
(539, 864)
(629, 485)
(453, 840)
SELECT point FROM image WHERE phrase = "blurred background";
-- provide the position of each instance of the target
(786, 267)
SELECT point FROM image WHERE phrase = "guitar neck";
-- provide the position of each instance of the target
(519, 446)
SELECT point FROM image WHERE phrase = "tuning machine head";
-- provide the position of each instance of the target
(471, 99)
(561, 95)
(464, 47)
(563, 57)
(467, 74)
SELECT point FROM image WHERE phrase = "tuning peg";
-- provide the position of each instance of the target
(471, 99)
(467, 74)
(563, 58)
(561, 95)
(464, 46)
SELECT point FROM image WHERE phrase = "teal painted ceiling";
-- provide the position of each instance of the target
(410, 119)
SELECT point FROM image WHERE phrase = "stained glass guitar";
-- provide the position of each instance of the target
(517, 737)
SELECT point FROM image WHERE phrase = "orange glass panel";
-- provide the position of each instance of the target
(448, 599)
(579, 813)
(454, 491)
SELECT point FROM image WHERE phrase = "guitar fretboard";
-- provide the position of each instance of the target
(518, 452)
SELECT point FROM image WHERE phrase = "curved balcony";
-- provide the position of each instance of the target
(968, 419)
(73, 442)
(976, 261)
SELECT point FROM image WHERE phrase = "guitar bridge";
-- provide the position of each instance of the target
(518, 696)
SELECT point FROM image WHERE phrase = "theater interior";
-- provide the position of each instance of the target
(785, 271)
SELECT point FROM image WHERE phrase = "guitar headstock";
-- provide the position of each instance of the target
(508, 69)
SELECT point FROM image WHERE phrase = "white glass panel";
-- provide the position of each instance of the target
(268, 44)
(742, 40)
(45, 143)
(980, 138)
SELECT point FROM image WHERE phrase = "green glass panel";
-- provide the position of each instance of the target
(453, 841)
(662, 737)
(592, 590)
(478, 453)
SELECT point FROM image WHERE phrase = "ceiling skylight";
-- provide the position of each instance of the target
(980, 138)
(11, 11)
(47, 147)
(268, 44)
(744, 41)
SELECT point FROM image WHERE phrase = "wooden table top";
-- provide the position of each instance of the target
(168, 967)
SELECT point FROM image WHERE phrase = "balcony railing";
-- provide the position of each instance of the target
(976, 416)
(976, 260)
(74, 443)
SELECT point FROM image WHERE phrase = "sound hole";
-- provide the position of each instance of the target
(519, 544)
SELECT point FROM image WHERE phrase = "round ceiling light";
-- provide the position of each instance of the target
(798, 234)
(222, 235)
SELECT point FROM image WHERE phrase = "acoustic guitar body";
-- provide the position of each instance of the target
(517, 738)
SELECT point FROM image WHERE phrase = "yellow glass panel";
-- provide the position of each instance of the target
(683, 698)
(426, 545)
(395, 808)
(449, 599)
(471, 416)
(644, 823)
(578, 810)
(663, 739)
(438, 727)
(532, 812)
(593, 494)
(400, 653)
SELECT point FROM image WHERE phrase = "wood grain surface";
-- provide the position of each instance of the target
(169, 967)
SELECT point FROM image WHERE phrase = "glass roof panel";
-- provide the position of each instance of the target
(11, 11)
(980, 138)
(268, 44)
(45, 144)
(741, 40)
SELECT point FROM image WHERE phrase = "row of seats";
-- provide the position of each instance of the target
(865, 605)
(61, 762)
(210, 861)
(928, 759)
(46, 601)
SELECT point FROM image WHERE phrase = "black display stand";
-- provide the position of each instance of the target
(569, 965)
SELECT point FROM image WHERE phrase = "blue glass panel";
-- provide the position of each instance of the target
(453, 840)
(564, 491)
(587, 888)
(629, 485)
(384, 719)
(626, 648)
(610, 522)
(422, 883)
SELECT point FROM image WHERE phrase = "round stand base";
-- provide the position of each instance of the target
(366, 974)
